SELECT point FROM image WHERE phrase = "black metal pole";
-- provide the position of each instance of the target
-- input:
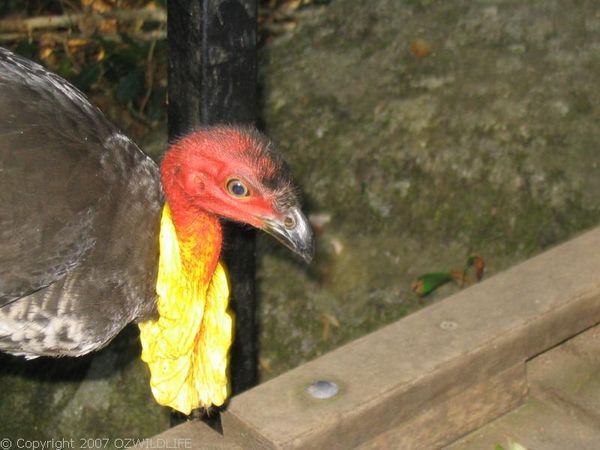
(212, 79)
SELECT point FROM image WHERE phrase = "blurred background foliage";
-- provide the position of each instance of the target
(115, 50)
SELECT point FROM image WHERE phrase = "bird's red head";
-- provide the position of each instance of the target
(236, 173)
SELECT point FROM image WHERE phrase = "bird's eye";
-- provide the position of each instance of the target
(289, 222)
(236, 188)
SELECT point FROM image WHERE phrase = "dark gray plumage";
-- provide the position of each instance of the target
(79, 218)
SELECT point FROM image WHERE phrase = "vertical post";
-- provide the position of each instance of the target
(212, 79)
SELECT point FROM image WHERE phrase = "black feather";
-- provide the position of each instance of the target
(79, 216)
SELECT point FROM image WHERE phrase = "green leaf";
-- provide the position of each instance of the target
(65, 68)
(122, 60)
(27, 49)
(156, 107)
(427, 283)
(130, 87)
(89, 75)
(363, 187)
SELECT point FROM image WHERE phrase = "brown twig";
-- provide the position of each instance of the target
(147, 36)
(149, 77)
(16, 28)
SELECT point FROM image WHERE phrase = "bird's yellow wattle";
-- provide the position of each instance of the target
(187, 347)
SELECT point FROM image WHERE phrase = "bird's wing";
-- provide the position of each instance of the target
(59, 163)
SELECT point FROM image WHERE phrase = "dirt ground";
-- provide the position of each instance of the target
(420, 132)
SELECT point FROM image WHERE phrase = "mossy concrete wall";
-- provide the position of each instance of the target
(489, 144)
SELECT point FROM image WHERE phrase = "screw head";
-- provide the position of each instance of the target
(448, 325)
(323, 389)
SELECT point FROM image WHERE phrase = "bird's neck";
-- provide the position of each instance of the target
(200, 237)
(186, 347)
(198, 232)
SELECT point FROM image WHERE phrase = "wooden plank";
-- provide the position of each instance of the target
(564, 406)
(566, 377)
(536, 426)
(395, 374)
(464, 412)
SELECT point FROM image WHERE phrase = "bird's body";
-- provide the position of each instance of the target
(80, 219)
(80, 206)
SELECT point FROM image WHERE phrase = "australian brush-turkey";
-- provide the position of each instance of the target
(90, 239)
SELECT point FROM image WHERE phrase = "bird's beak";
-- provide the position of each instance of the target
(293, 231)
